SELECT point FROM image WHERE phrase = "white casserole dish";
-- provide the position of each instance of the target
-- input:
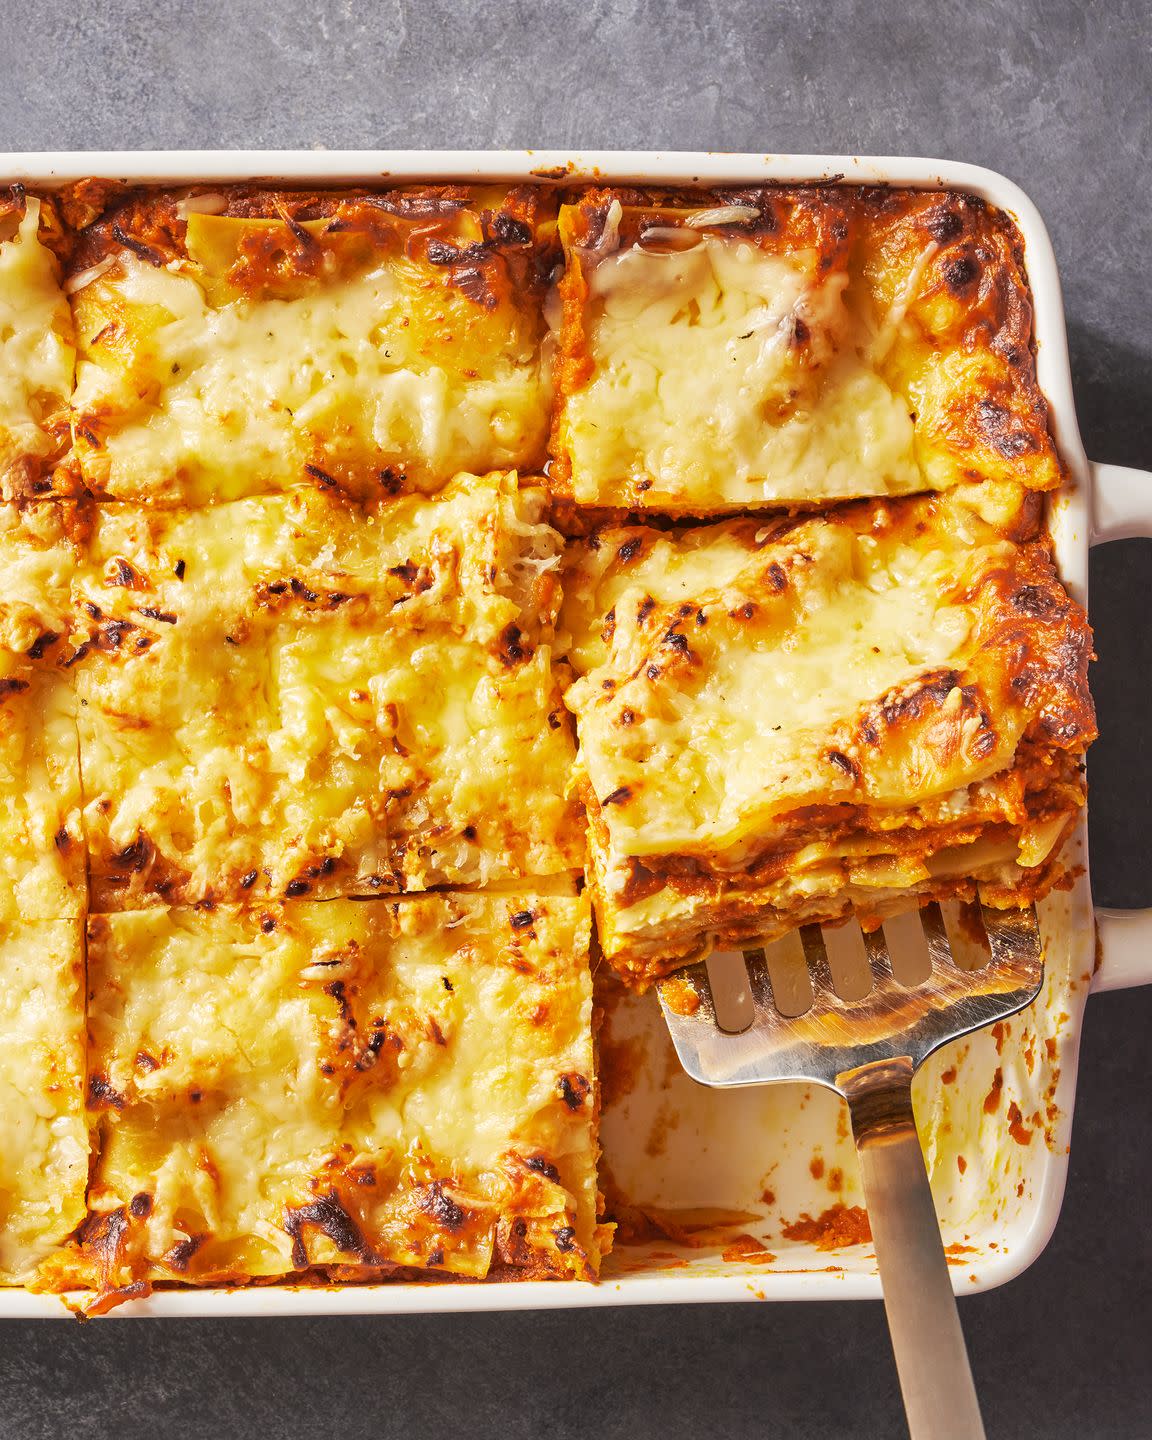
(668, 1143)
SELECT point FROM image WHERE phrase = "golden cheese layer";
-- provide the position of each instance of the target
(295, 695)
(43, 1130)
(41, 835)
(241, 342)
(367, 1088)
(779, 719)
(37, 356)
(787, 347)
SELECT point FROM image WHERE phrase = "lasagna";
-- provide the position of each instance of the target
(358, 1089)
(785, 720)
(37, 355)
(394, 579)
(237, 343)
(43, 1126)
(294, 696)
(42, 857)
(789, 347)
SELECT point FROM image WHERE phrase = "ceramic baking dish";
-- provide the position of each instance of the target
(709, 1166)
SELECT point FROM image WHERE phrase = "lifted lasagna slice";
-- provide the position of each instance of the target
(43, 1131)
(791, 346)
(367, 1090)
(41, 836)
(781, 721)
(36, 350)
(243, 342)
(295, 695)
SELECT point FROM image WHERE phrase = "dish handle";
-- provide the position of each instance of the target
(1122, 510)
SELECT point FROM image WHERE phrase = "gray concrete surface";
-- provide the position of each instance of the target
(1055, 94)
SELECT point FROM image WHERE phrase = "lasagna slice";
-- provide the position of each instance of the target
(297, 696)
(791, 346)
(43, 1130)
(244, 342)
(360, 1090)
(42, 872)
(783, 720)
(36, 350)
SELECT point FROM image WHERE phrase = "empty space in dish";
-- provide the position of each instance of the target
(762, 1183)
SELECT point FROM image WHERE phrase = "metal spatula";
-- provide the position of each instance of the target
(867, 1047)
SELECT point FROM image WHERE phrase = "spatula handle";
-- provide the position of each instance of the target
(931, 1357)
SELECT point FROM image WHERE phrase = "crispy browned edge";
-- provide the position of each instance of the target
(494, 245)
(514, 256)
(101, 1249)
(979, 249)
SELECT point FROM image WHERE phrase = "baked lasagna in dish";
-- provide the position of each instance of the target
(791, 347)
(394, 580)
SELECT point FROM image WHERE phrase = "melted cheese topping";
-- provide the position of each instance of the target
(288, 696)
(701, 392)
(386, 373)
(345, 1085)
(765, 680)
(36, 356)
(706, 368)
(41, 836)
(799, 710)
(43, 1132)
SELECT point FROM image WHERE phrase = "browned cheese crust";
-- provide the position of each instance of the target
(720, 350)
(243, 341)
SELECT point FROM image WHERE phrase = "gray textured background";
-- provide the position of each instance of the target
(1055, 95)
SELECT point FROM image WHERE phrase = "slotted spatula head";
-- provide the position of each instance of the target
(763, 1033)
(865, 1041)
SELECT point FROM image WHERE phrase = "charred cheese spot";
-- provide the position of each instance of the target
(327, 1215)
(574, 1089)
(102, 1095)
